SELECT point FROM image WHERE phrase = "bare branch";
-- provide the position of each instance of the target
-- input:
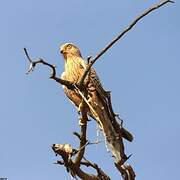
(82, 145)
(161, 3)
(77, 135)
(65, 151)
(100, 173)
(59, 162)
(33, 64)
(126, 171)
(83, 126)
(27, 55)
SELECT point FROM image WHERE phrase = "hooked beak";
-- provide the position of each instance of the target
(62, 51)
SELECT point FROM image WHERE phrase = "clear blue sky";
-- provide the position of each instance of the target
(142, 71)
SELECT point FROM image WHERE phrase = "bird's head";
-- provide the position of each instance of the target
(69, 50)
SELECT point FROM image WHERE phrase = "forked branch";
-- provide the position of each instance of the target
(93, 60)
(33, 64)
(65, 150)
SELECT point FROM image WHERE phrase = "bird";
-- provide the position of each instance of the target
(96, 100)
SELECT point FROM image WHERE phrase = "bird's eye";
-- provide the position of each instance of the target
(69, 46)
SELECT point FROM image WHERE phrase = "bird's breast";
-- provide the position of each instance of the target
(74, 70)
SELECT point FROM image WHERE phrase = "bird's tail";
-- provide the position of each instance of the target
(124, 132)
(112, 131)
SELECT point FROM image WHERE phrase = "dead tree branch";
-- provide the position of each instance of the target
(33, 64)
(73, 159)
(100, 173)
(83, 141)
(126, 171)
(67, 152)
(93, 60)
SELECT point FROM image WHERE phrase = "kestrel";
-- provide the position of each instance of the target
(97, 107)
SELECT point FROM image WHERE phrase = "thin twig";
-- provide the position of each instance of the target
(100, 173)
(77, 135)
(88, 143)
(120, 36)
(59, 162)
(33, 64)
(25, 50)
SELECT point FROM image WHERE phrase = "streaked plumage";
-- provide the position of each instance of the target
(74, 68)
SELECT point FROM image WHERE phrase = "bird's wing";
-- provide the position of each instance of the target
(73, 96)
(103, 98)
(101, 93)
